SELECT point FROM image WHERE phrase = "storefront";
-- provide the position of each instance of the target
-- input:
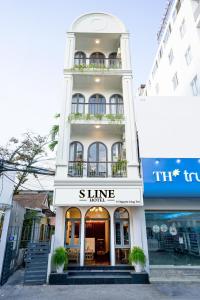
(172, 210)
(97, 237)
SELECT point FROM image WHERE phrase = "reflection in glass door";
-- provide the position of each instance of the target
(72, 234)
(122, 235)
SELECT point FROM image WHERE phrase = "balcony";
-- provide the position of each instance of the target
(92, 111)
(93, 64)
(97, 169)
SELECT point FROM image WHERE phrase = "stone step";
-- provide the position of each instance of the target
(96, 277)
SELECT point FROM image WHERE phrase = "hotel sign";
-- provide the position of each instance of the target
(129, 196)
(171, 177)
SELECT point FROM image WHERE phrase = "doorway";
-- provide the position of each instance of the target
(97, 236)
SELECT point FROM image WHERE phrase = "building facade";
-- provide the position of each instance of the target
(169, 148)
(176, 67)
(98, 185)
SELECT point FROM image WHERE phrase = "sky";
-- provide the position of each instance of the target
(32, 45)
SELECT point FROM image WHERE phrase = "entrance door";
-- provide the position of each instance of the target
(72, 234)
(97, 237)
(122, 235)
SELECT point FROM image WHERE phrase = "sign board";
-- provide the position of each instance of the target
(171, 177)
(107, 196)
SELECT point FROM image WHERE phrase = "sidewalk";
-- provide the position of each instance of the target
(15, 290)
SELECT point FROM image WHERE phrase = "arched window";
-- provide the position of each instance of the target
(113, 61)
(97, 213)
(97, 105)
(79, 58)
(75, 168)
(97, 59)
(97, 160)
(78, 104)
(72, 233)
(116, 151)
(116, 104)
(122, 235)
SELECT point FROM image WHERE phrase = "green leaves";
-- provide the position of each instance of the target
(136, 255)
(60, 256)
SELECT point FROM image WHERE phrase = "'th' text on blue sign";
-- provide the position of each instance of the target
(171, 177)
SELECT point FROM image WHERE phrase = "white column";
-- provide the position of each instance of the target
(70, 51)
(82, 245)
(112, 238)
(64, 130)
(125, 51)
(139, 231)
(60, 227)
(130, 128)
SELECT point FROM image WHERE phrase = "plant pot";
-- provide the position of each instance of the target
(138, 268)
(59, 269)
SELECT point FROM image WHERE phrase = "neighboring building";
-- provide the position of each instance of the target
(6, 193)
(170, 154)
(38, 224)
(176, 67)
(98, 186)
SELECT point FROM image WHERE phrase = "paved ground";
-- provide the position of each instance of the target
(14, 289)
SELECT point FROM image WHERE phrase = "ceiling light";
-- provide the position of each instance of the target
(97, 79)
(97, 41)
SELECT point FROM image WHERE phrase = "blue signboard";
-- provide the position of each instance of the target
(171, 177)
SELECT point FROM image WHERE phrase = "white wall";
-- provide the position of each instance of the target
(6, 188)
(168, 126)
(186, 73)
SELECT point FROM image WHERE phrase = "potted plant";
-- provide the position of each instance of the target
(119, 168)
(137, 258)
(60, 259)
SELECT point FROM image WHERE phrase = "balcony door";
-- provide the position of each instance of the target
(97, 59)
(75, 160)
(97, 105)
(97, 160)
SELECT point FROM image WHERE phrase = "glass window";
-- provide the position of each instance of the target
(97, 59)
(173, 237)
(113, 60)
(97, 105)
(182, 29)
(195, 86)
(97, 160)
(122, 234)
(80, 58)
(75, 167)
(76, 151)
(121, 227)
(78, 104)
(188, 56)
(117, 152)
(175, 81)
(171, 56)
(72, 233)
(116, 105)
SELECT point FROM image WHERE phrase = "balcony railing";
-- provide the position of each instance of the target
(97, 63)
(97, 169)
(95, 108)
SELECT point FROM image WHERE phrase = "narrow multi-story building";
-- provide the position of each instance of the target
(98, 185)
(176, 67)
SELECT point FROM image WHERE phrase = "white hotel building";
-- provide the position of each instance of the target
(98, 185)
(176, 67)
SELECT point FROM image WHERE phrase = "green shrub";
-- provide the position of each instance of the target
(60, 256)
(137, 256)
